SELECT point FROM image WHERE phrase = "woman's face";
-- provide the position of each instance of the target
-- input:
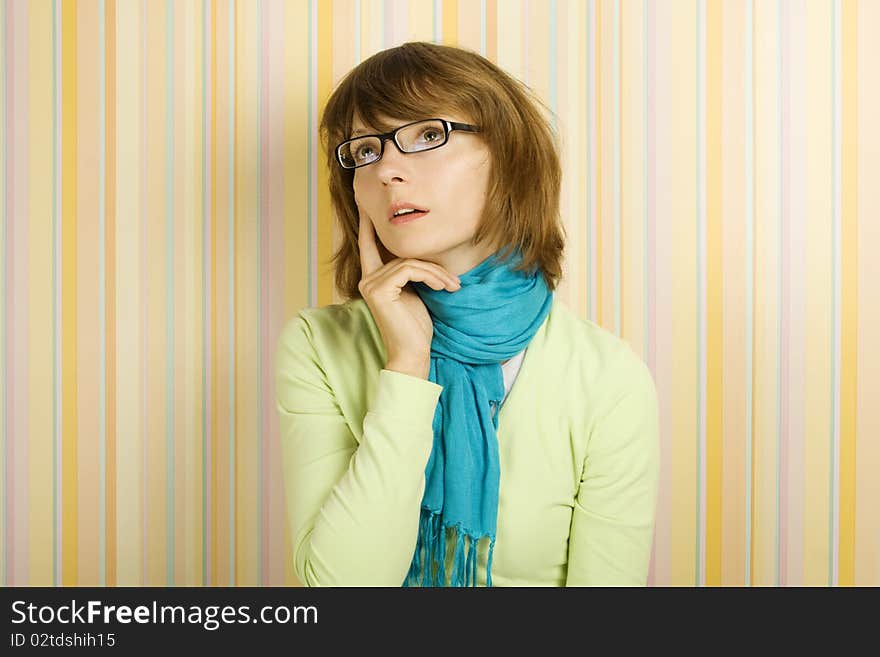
(451, 182)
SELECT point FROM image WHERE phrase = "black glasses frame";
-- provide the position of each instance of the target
(448, 126)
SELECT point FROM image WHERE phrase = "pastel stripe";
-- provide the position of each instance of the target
(617, 165)
(169, 294)
(127, 541)
(208, 354)
(817, 283)
(56, 294)
(69, 304)
(715, 150)
(4, 292)
(784, 436)
(232, 188)
(867, 484)
(834, 428)
(749, 141)
(731, 351)
(101, 289)
(264, 276)
(161, 225)
(20, 420)
(144, 550)
(40, 137)
(108, 486)
(594, 247)
(660, 555)
(593, 180)
(701, 283)
(849, 309)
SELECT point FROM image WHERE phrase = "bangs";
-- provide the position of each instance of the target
(403, 86)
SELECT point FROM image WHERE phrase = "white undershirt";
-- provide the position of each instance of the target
(510, 369)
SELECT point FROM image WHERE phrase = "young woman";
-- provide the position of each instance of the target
(453, 423)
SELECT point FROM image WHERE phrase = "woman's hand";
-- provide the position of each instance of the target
(400, 314)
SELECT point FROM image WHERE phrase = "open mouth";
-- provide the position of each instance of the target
(407, 217)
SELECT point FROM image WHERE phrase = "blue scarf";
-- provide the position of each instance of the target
(490, 319)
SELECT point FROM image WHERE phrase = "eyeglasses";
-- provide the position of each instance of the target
(413, 137)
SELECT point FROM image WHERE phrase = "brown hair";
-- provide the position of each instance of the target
(420, 79)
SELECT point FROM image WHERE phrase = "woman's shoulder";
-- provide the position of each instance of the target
(600, 357)
(333, 322)
(342, 333)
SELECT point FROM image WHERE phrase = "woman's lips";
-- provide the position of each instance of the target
(406, 218)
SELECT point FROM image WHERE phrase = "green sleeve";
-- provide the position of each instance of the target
(352, 505)
(613, 519)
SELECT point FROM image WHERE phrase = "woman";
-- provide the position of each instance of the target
(410, 455)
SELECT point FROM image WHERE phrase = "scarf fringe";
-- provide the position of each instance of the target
(428, 566)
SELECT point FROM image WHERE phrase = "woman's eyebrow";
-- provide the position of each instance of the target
(370, 131)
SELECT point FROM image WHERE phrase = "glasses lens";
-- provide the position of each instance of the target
(360, 151)
(422, 136)
(419, 136)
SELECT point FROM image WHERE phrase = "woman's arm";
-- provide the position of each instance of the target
(352, 508)
(613, 520)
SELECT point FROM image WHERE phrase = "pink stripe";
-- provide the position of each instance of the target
(784, 302)
(591, 130)
(265, 357)
(388, 16)
(10, 292)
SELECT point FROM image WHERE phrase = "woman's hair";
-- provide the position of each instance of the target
(422, 80)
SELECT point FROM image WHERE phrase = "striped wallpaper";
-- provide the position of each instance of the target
(165, 210)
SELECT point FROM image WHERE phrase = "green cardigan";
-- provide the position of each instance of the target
(578, 448)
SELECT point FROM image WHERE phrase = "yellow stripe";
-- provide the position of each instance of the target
(849, 355)
(39, 291)
(867, 537)
(70, 520)
(597, 109)
(110, 530)
(222, 293)
(212, 291)
(87, 300)
(324, 237)
(184, 251)
(492, 30)
(733, 358)
(450, 23)
(714, 296)
(247, 296)
(191, 515)
(157, 349)
(684, 267)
